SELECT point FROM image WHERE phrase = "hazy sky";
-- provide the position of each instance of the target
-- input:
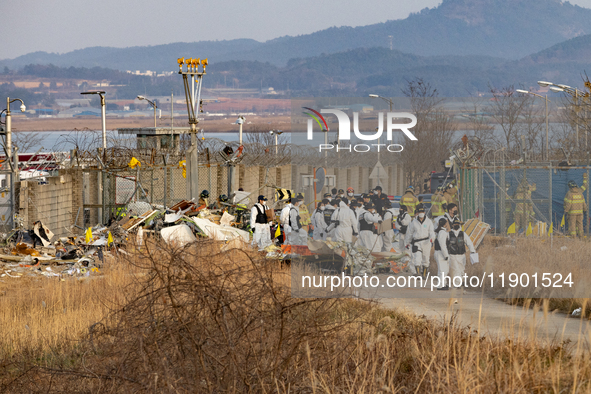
(64, 25)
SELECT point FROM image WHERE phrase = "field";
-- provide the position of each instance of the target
(208, 319)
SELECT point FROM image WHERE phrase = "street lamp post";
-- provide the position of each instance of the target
(103, 174)
(8, 119)
(153, 106)
(574, 92)
(240, 121)
(14, 174)
(276, 133)
(546, 100)
(103, 116)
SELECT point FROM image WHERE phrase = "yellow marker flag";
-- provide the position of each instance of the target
(551, 228)
(511, 229)
(562, 222)
(110, 239)
(529, 230)
(88, 235)
(278, 231)
(134, 162)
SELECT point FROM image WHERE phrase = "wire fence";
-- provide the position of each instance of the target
(522, 195)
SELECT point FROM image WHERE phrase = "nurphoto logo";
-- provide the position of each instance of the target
(344, 132)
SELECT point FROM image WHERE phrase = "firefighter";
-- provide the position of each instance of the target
(203, 196)
(420, 236)
(451, 194)
(524, 210)
(260, 224)
(350, 192)
(409, 200)
(438, 203)
(574, 206)
(368, 234)
(457, 241)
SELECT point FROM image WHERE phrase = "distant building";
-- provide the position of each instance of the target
(157, 138)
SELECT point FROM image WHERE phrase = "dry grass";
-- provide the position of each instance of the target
(44, 317)
(202, 320)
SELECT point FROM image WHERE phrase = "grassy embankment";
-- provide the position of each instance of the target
(202, 320)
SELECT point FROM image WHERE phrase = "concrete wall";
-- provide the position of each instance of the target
(56, 203)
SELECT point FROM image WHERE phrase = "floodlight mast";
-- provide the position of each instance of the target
(192, 69)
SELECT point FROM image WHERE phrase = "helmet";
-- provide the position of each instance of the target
(410, 188)
(223, 198)
(350, 190)
(204, 194)
(572, 184)
(507, 185)
(439, 188)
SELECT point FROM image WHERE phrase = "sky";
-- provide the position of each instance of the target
(64, 25)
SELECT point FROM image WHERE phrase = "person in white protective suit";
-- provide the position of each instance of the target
(298, 235)
(328, 211)
(388, 235)
(420, 236)
(402, 222)
(284, 221)
(456, 247)
(343, 221)
(259, 224)
(441, 254)
(318, 221)
(368, 234)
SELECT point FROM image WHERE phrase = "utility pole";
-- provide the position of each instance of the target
(193, 152)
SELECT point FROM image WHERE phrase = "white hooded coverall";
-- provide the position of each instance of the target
(284, 220)
(298, 235)
(442, 257)
(347, 222)
(388, 236)
(420, 231)
(367, 238)
(457, 262)
(261, 231)
(405, 220)
(319, 225)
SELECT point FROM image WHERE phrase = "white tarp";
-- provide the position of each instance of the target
(220, 232)
(178, 235)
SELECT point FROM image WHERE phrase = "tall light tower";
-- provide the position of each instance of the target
(14, 176)
(192, 70)
(276, 133)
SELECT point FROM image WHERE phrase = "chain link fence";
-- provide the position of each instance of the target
(522, 195)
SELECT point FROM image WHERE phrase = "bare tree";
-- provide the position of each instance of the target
(26, 141)
(434, 132)
(507, 109)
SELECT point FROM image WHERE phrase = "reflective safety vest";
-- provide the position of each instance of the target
(410, 202)
(437, 203)
(574, 202)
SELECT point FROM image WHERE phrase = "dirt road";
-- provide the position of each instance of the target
(496, 318)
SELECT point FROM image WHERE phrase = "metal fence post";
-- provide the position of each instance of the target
(502, 183)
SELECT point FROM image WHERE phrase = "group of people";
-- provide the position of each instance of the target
(448, 239)
(372, 220)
